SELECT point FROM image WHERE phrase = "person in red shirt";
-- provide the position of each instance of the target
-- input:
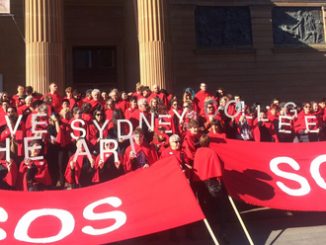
(19, 98)
(174, 119)
(26, 108)
(160, 140)
(29, 90)
(124, 102)
(88, 96)
(264, 129)
(156, 93)
(139, 154)
(210, 113)
(201, 96)
(69, 96)
(78, 98)
(56, 98)
(132, 113)
(115, 96)
(96, 102)
(190, 114)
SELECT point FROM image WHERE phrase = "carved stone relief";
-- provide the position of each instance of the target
(297, 25)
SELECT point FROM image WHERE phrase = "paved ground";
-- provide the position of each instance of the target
(266, 226)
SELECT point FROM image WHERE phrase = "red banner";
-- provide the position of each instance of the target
(142, 202)
(287, 176)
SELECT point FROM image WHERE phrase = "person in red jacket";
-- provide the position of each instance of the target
(94, 136)
(108, 167)
(8, 173)
(132, 113)
(306, 125)
(206, 178)
(174, 149)
(69, 96)
(139, 154)
(81, 170)
(215, 132)
(191, 140)
(34, 172)
(16, 138)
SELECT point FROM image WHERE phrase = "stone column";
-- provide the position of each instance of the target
(44, 44)
(153, 43)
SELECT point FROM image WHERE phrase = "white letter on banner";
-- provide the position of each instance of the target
(99, 128)
(119, 129)
(294, 111)
(306, 119)
(119, 216)
(13, 130)
(164, 123)
(66, 219)
(180, 116)
(282, 123)
(80, 146)
(3, 218)
(314, 170)
(113, 150)
(27, 148)
(6, 149)
(73, 127)
(305, 187)
(142, 117)
(227, 107)
(35, 123)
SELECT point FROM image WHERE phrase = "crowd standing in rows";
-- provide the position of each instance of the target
(188, 123)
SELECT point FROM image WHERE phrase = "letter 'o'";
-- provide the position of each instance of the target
(67, 225)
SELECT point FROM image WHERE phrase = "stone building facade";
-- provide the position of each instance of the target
(258, 49)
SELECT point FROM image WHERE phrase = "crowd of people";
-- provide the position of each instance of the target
(162, 125)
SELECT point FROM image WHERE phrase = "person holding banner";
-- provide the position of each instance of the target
(206, 178)
(139, 154)
(215, 132)
(175, 150)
